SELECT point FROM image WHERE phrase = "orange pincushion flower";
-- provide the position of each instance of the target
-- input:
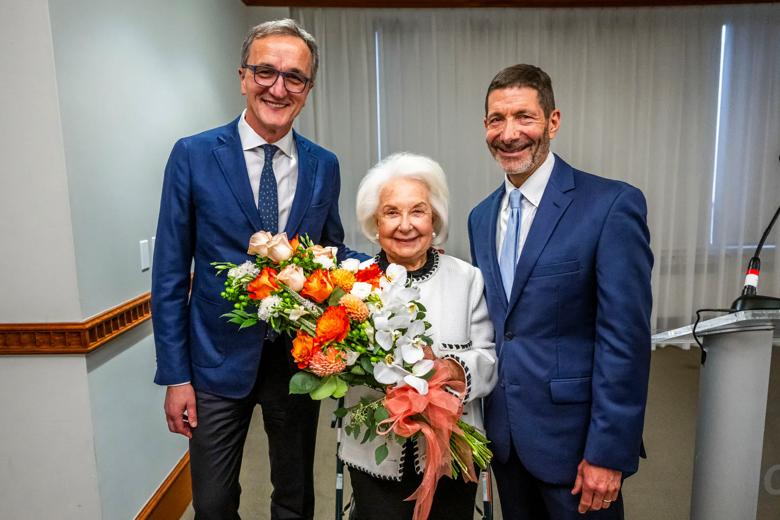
(356, 309)
(303, 349)
(332, 326)
(343, 278)
(327, 363)
(318, 286)
(370, 274)
(264, 284)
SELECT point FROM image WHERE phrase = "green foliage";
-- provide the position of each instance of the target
(303, 383)
(381, 453)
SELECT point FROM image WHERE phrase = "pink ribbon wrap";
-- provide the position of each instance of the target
(435, 415)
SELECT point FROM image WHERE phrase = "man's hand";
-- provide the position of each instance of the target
(599, 486)
(180, 409)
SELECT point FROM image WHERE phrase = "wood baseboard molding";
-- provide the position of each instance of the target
(76, 337)
(173, 496)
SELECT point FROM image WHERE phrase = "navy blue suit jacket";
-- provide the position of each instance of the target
(573, 341)
(207, 214)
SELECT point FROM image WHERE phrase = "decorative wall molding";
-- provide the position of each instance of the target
(458, 4)
(173, 496)
(77, 337)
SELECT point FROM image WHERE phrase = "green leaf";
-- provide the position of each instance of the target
(380, 414)
(303, 383)
(366, 435)
(381, 454)
(341, 388)
(325, 389)
(335, 296)
(365, 364)
(421, 306)
(248, 323)
(341, 412)
(358, 370)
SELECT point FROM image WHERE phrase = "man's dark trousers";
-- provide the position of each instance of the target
(217, 444)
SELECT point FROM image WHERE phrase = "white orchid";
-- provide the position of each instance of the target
(352, 357)
(394, 373)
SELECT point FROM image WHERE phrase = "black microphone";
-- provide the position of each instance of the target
(750, 299)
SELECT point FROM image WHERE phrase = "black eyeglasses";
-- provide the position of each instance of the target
(266, 76)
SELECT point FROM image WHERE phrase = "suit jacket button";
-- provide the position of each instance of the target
(508, 336)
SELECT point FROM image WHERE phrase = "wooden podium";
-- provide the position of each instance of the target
(733, 388)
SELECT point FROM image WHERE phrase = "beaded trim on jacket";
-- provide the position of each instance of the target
(420, 275)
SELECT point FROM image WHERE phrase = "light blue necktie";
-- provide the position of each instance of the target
(510, 249)
(268, 199)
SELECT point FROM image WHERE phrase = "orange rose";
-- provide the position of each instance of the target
(370, 274)
(263, 285)
(302, 349)
(332, 326)
(318, 286)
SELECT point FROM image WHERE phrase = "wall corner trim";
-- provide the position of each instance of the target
(173, 496)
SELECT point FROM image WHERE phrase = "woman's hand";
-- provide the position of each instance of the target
(455, 371)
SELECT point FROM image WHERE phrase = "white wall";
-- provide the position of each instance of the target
(94, 94)
(37, 262)
(133, 77)
(47, 461)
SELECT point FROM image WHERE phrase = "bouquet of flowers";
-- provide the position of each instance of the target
(352, 325)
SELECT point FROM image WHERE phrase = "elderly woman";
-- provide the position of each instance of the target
(402, 204)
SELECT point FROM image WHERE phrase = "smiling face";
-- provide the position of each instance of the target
(517, 132)
(270, 111)
(404, 222)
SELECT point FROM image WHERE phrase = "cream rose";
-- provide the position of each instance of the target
(279, 248)
(318, 250)
(258, 243)
(292, 276)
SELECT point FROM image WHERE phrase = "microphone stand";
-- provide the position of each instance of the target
(750, 300)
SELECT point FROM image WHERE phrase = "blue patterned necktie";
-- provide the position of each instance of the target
(507, 262)
(268, 199)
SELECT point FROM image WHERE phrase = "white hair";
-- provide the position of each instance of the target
(408, 166)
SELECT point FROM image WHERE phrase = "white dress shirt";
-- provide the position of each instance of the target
(285, 166)
(532, 190)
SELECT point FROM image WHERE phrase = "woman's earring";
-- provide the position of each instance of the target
(376, 235)
(433, 234)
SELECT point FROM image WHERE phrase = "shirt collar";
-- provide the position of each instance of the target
(251, 139)
(533, 187)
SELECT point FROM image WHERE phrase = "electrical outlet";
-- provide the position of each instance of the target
(145, 260)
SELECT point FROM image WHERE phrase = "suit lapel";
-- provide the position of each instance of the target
(490, 268)
(553, 205)
(307, 171)
(230, 158)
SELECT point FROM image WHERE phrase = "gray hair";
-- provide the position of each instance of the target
(408, 166)
(288, 27)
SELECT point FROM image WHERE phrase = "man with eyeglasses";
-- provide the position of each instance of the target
(220, 187)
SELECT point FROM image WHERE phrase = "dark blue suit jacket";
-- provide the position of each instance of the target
(573, 341)
(207, 214)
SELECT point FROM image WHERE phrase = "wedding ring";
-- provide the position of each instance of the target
(607, 501)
